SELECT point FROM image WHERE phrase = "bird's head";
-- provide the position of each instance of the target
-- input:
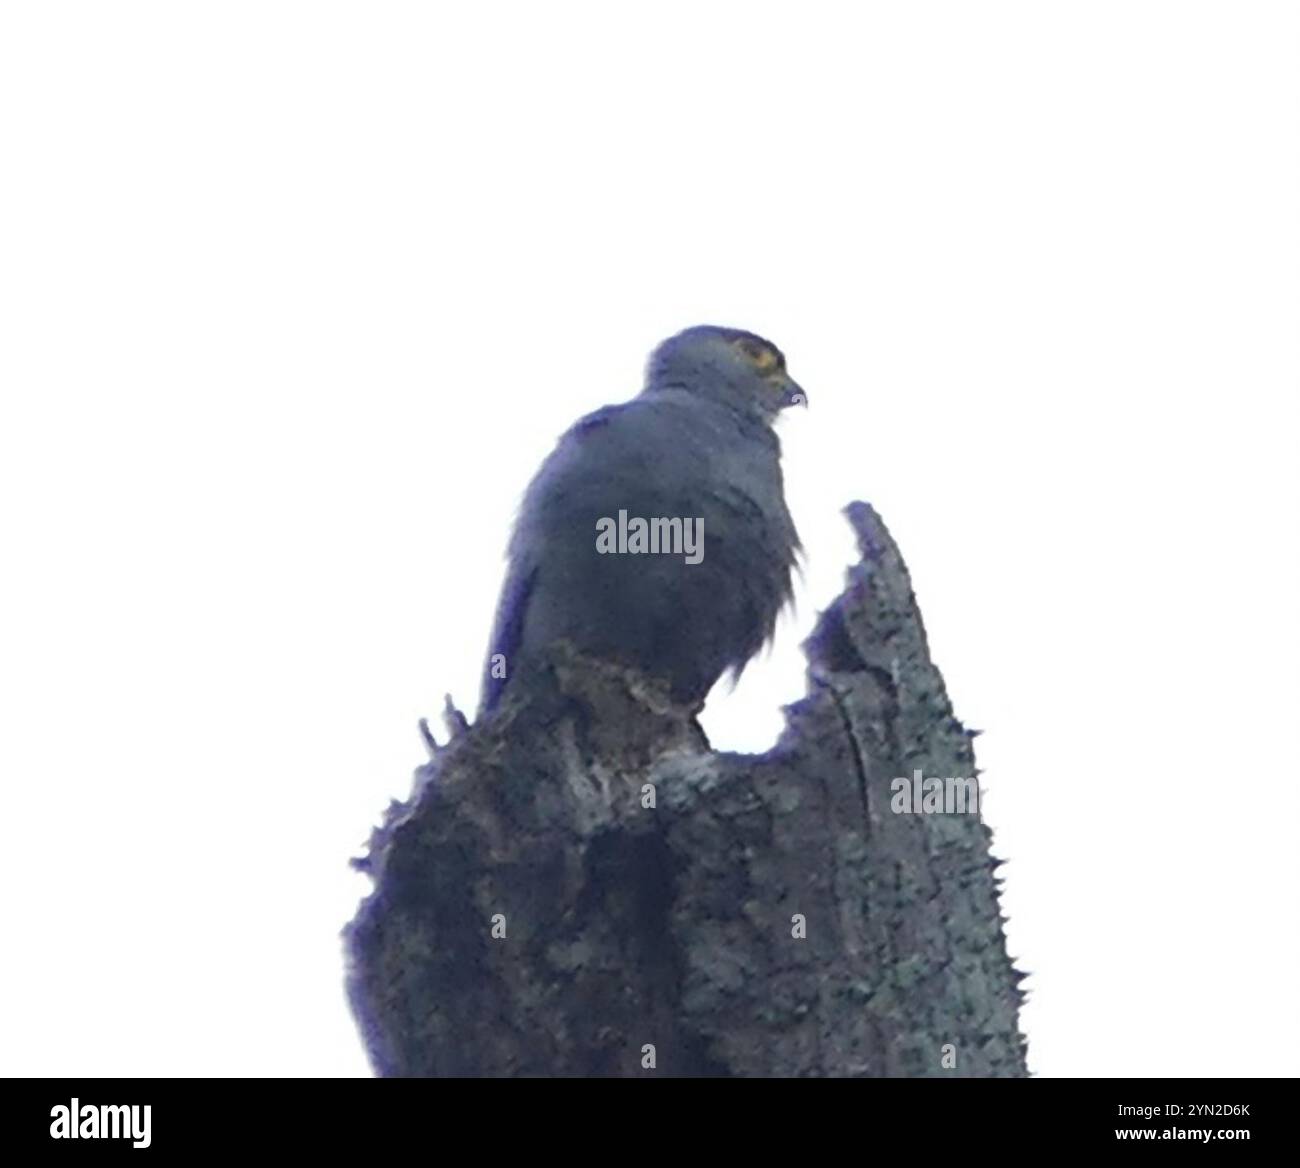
(737, 369)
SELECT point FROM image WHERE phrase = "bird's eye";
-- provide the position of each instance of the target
(764, 359)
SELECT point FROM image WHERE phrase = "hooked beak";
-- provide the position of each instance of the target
(793, 395)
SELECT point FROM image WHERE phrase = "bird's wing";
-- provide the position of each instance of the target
(579, 450)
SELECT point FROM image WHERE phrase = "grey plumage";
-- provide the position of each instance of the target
(697, 443)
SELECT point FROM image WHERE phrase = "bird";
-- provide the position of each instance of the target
(597, 557)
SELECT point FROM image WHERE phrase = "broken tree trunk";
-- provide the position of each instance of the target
(579, 886)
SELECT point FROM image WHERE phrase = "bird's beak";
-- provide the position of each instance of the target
(793, 394)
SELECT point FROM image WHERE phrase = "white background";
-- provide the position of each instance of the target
(296, 296)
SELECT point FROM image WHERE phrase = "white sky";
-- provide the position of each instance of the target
(296, 297)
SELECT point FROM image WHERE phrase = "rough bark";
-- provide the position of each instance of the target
(671, 930)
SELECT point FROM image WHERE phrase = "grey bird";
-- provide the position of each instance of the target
(696, 445)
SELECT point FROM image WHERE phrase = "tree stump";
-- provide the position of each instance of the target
(578, 885)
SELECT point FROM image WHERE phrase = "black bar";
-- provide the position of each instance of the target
(376, 1118)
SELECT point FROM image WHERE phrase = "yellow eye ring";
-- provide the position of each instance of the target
(764, 359)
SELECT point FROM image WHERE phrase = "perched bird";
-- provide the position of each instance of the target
(656, 534)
